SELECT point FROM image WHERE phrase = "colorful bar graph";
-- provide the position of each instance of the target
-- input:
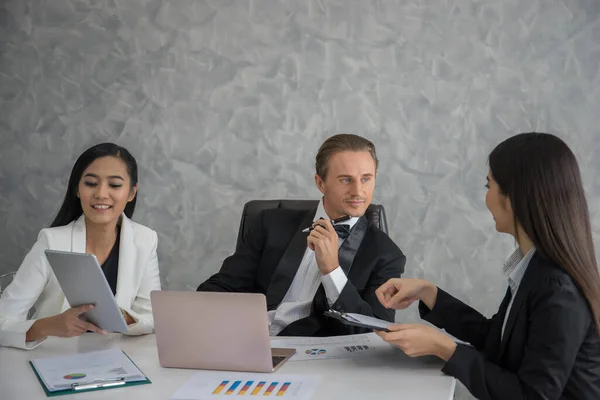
(245, 387)
(233, 387)
(270, 389)
(283, 388)
(258, 388)
(220, 387)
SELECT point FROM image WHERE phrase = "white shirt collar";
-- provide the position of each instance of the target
(322, 214)
(515, 267)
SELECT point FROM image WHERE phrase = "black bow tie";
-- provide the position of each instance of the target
(343, 231)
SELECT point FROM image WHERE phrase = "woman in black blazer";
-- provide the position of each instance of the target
(543, 342)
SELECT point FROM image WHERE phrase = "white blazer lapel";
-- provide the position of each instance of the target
(78, 236)
(128, 268)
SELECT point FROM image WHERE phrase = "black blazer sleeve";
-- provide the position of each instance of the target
(239, 271)
(558, 322)
(458, 319)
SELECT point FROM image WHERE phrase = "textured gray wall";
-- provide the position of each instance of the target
(226, 101)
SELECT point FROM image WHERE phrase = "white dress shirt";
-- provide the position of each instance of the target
(296, 303)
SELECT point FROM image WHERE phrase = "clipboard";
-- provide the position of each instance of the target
(362, 321)
(90, 386)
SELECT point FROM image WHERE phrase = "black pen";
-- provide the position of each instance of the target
(333, 221)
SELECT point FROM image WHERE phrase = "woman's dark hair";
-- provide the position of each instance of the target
(71, 206)
(539, 174)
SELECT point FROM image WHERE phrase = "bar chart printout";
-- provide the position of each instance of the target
(236, 385)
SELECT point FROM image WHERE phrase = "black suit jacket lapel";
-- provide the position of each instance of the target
(519, 299)
(289, 263)
(349, 248)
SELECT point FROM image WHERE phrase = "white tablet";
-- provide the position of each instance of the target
(83, 282)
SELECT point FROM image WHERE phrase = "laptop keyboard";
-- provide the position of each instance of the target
(277, 360)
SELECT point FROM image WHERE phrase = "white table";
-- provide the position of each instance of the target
(395, 376)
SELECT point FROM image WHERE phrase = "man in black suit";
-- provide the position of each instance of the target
(303, 274)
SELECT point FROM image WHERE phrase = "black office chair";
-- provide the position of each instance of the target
(375, 213)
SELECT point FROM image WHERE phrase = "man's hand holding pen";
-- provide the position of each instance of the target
(333, 221)
(323, 240)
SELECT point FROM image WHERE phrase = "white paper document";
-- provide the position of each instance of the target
(367, 320)
(205, 385)
(60, 373)
(320, 348)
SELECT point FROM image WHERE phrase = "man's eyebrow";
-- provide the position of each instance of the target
(351, 176)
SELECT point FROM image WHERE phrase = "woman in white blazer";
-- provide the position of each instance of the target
(94, 218)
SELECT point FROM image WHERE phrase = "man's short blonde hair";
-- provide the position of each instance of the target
(339, 143)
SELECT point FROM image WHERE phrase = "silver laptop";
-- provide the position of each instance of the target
(219, 331)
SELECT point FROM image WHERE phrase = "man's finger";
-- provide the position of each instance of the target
(323, 233)
(318, 234)
(315, 241)
(319, 229)
(320, 222)
(326, 225)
